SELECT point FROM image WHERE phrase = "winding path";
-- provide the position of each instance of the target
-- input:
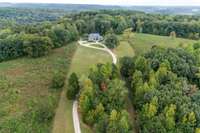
(76, 120)
(104, 48)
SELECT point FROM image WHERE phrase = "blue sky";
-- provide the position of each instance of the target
(116, 2)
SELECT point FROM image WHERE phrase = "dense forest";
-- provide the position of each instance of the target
(164, 84)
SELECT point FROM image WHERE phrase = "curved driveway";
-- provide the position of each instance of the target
(76, 120)
(104, 48)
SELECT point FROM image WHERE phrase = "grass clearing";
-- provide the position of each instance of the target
(97, 45)
(143, 42)
(124, 49)
(24, 83)
(85, 58)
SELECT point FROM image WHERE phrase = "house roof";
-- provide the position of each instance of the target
(94, 34)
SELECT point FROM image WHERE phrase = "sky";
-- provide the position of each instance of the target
(115, 2)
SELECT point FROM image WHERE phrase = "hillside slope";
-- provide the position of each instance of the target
(143, 42)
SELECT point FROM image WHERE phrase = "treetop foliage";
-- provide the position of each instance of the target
(164, 84)
(102, 100)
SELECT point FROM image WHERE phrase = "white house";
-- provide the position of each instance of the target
(93, 37)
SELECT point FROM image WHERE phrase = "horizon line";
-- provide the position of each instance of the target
(124, 5)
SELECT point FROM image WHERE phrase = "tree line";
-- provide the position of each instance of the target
(35, 41)
(183, 26)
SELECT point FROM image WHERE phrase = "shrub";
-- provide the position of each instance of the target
(42, 110)
(58, 80)
(44, 113)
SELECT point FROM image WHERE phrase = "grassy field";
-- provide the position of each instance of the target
(24, 84)
(124, 49)
(143, 42)
(85, 58)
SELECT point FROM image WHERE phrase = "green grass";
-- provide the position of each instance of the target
(63, 122)
(143, 42)
(124, 49)
(85, 58)
(97, 45)
(26, 80)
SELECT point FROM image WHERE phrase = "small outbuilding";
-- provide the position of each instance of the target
(94, 37)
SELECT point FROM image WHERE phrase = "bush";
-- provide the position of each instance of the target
(44, 113)
(58, 80)
(42, 110)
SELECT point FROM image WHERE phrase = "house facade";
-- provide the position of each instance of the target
(93, 37)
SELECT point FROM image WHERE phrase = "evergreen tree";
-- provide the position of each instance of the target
(73, 86)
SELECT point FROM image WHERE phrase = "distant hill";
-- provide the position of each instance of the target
(65, 7)
(181, 10)
(84, 7)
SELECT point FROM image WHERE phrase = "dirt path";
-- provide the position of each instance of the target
(76, 117)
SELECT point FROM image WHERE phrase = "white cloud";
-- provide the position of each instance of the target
(115, 2)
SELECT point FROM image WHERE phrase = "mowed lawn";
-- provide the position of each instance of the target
(124, 49)
(143, 42)
(85, 58)
(24, 82)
